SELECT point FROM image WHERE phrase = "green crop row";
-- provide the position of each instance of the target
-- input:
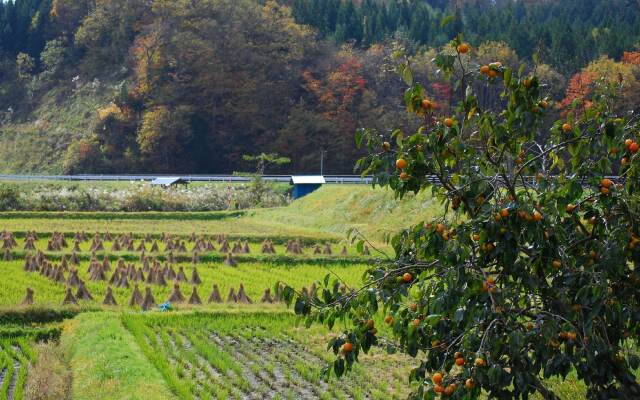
(15, 357)
(221, 356)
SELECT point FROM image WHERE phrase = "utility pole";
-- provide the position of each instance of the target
(322, 151)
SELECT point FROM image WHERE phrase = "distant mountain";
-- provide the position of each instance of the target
(176, 86)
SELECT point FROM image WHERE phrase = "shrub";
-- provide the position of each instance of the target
(137, 196)
(9, 198)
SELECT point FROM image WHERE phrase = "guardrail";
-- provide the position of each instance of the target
(331, 179)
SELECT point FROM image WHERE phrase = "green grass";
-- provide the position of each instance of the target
(107, 362)
(336, 208)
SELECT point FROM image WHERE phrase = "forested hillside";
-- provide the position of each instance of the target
(192, 86)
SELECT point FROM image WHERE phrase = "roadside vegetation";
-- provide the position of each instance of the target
(138, 197)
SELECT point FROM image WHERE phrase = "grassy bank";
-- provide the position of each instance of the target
(107, 363)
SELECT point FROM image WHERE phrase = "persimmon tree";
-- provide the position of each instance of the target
(531, 272)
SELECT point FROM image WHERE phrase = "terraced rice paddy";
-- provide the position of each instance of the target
(254, 356)
(48, 266)
(15, 357)
(235, 342)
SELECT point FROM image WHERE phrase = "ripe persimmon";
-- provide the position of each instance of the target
(448, 391)
(463, 48)
(537, 216)
(459, 361)
(437, 378)
(448, 122)
(566, 127)
(401, 163)
(407, 277)
(347, 347)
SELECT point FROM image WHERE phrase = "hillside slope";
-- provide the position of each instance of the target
(62, 116)
(336, 208)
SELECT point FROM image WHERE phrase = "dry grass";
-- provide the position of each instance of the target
(50, 377)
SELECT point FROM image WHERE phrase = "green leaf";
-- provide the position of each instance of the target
(407, 76)
(338, 367)
(447, 20)
(507, 76)
(459, 315)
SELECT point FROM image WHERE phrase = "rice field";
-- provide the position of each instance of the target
(15, 357)
(252, 356)
(215, 328)
(254, 276)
